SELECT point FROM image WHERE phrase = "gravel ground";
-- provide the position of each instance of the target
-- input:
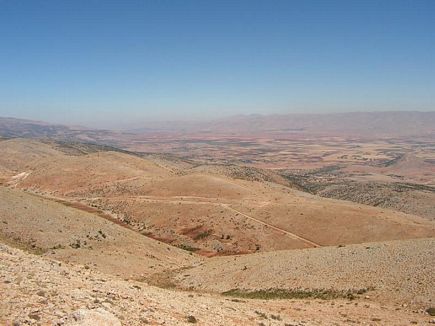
(39, 291)
(399, 271)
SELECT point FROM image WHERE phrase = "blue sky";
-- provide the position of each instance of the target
(107, 62)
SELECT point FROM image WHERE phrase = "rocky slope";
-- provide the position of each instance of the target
(52, 229)
(41, 291)
(399, 272)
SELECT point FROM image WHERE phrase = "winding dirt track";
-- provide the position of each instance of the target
(295, 236)
(227, 206)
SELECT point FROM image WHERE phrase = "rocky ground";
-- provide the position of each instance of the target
(395, 272)
(40, 291)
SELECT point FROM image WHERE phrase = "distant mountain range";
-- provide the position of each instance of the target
(22, 128)
(409, 123)
(393, 123)
(355, 123)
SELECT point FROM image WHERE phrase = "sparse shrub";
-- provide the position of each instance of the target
(261, 314)
(58, 246)
(269, 294)
(191, 319)
(361, 291)
(187, 247)
(75, 245)
(431, 311)
(275, 317)
(202, 235)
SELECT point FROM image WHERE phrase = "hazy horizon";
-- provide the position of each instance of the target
(118, 63)
(175, 122)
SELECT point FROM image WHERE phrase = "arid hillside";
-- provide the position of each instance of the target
(399, 272)
(55, 230)
(122, 238)
(210, 212)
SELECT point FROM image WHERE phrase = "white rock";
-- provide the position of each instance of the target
(95, 317)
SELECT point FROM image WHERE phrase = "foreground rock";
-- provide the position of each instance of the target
(86, 317)
(35, 290)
